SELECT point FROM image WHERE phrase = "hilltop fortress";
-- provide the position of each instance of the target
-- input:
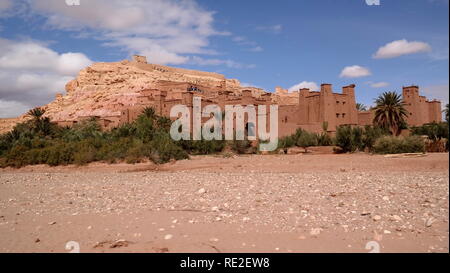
(116, 93)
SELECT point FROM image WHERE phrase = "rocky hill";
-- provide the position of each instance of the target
(100, 86)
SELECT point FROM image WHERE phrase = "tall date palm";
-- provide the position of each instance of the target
(390, 112)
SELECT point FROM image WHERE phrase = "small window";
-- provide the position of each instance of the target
(337, 115)
(343, 115)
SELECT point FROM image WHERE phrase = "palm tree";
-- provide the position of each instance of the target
(390, 112)
(149, 112)
(361, 107)
(40, 124)
(36, 113)
(164, 123)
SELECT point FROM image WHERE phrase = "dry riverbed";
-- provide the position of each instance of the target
(272, 203)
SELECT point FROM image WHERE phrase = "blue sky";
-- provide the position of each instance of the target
(288, 43)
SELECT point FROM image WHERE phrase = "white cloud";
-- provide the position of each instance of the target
(401, 47)
(355, 71)
(166, 31)
(229, 63)
(247, 84)
(32, 55)
(71, 63)
(31, 74)
(304, 84)
(378, 84)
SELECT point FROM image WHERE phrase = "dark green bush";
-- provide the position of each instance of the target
(351, 139)
(323, 139)
(306, 140)
(371, 134)
(434, 131)
(345, 139)
(85, 155)
(198, 147)
(286, 142)
(163, 148)
(396, 145)
(242, 146)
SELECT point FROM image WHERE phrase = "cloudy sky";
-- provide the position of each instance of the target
(288, 43)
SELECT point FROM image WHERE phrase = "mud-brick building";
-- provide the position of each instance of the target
(171, 86)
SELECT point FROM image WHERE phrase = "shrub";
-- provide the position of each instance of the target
(16, 157)
(86, 129)
(345, 139)
(242, 146)
(85, 155)
(306, 140)
(371, 134)
(163, 149)
(435, 133)
(286, 142)
(351, 139)
(202, 146)
(323, 139)
(395, 145)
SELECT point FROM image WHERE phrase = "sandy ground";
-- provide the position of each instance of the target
(271, 203)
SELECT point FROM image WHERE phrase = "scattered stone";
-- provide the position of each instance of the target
(429, 222)
(315, 231)
(396, 218)
(119, 243)
(168, 237)
(160, 250)
(376, 218)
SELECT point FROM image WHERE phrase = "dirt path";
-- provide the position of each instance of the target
(279, 203)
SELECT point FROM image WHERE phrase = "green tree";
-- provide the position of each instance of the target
(149, 112)
(39, 123)
(390, 112)
(361, 107)
(36, 113)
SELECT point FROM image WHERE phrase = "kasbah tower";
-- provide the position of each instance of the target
(116, 93)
